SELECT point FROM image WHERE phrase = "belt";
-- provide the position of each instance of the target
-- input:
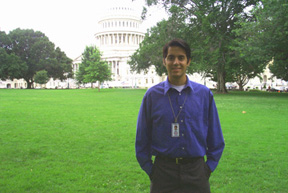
(178, 160)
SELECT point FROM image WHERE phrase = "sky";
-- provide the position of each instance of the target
(69, 24)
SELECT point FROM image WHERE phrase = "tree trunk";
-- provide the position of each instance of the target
(29, 84)
(242, 81)
(240, 86)
(98, 86)
(221, 88)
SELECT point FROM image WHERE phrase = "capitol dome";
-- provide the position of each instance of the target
(119, 33)
(120, 26)
(120, 9)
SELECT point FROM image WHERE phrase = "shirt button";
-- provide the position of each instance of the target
(183, 148)
(183, 134)
(179, 93)
(180, 107)
(181, 121)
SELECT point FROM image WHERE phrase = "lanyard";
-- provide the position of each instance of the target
(181, 107)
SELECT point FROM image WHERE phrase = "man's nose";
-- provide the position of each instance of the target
(176, 61)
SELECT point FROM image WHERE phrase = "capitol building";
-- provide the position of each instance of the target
(118, 36)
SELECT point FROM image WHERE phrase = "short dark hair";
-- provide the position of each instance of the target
(179, 43)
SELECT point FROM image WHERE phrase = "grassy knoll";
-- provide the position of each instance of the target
(83, 141)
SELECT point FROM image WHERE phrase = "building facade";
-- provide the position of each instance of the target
(119, 33)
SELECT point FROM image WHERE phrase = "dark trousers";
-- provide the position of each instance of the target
(192, 177)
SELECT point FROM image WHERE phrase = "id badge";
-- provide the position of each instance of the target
(175, 130)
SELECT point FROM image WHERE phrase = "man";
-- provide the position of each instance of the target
(178, 123)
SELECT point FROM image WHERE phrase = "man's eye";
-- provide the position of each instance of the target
(181, 58)
(170, 57)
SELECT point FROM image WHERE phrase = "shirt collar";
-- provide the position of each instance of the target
(167, 85)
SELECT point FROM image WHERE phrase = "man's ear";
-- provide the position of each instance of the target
(188, 63)
(164, 64)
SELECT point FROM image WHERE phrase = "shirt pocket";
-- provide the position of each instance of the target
(161, 132)
(198, 127)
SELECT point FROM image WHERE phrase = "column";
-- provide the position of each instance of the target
(118, 68)
(138, 39)
(119, 38)
(113, 67)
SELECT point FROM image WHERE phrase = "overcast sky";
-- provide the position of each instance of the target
(69, 24)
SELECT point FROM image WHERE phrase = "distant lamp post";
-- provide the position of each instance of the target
(67, 76)
(68, 83)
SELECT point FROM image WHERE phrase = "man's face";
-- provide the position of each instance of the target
(176, 64)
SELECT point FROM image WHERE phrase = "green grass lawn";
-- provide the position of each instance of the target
(83, 141)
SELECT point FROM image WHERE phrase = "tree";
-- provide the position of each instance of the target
(274, 22)
(4, 40)
(41, 77)
(244, 68)
(268, 35)
(36, 53)
(210, 24)
(92, 68)
(149, 52)
(62, 69)
(10, 66)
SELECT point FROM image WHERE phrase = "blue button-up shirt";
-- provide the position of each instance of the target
(200, 130)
